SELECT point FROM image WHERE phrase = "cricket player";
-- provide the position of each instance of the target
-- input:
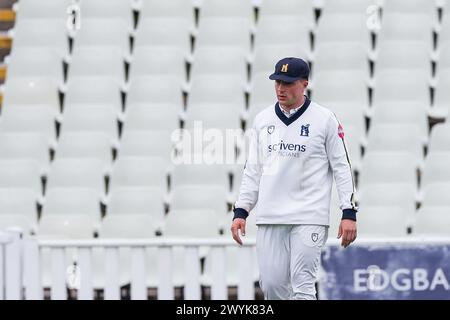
(296, 148)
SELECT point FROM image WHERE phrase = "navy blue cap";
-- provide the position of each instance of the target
(290, 69)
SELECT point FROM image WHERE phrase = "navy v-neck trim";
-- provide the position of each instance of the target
(287, 121)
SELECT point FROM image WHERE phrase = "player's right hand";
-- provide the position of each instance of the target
(238, 224)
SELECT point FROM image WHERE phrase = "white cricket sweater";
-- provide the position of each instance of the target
(290, 167)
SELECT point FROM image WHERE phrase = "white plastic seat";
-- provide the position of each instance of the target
(90, 118)
(200, 223)
(412, 55)
(149, 143)
(45, 33)
(346, 7)
(265, 56)
(330, 87)
(200, 196)
(383, 221)
(75, 226)
(230, 8)
(85, 145)
(20, 202)
(16, 221)
(334, 56)
(172, 32)
(432, 221)
(271, 31)
(93, 90)
(155, 89)
(31, 146)
(179, 9)
(444, 39)
(139, 171)
(44, 9)
(400, 27)
(103, 32)
(132, 201)
(72, 201)
(224, 32)
(15, 173)
(219, 61)
(399, 112)
(109, 9)
(302, 10)
(388, 167)
(436, 168)
(435, 194)
(401, 85)
(396, 138)
(151, 116)
(262, 94)
(343, 28)
(128, 226)
(35, 62)
(388, 194)
(443, 58)
(98, 61)
(218, 116)
(411, 7)
(441, 108)
(77, 172)
(200, 174)
(440, 138)
(217, 89)
(158, 60)
(29, 119)
(31, 92)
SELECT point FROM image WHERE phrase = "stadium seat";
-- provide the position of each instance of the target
(401, 85)
(105, 61)
(172, 32)
(72, 201)
(158, 60)
(139, 171)
(103, 32)
(93, 90)
(155, 89)
(219, 32)
(396, 138)
(262, 94)
(31, 92)
(179, 9)
(346, 7)
(383, 222)
(148, 143)
(43, 33)
(29, 119)
(19, 202)
(108, 9)
(189, 223)
(21, 173)
(77, 172)
(270, 30)
(31, 146)
(16, 221)
(432, 221)
(85, 145)
(436, 168)
(440, 138)
(44, 9)
(214, 116)
(411, 7)
(441, 107)
(303, 10)
(230, 8)
(217, 89)
(133, 201)
(200, 174)
(388, 167)
(75, 226)
(433, 195)
(219, 61)
(151, 116)
(35, 62)
(92, 118)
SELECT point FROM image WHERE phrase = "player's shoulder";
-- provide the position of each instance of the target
(264, 114)
(321, 110)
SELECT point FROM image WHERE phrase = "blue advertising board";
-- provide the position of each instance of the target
(386, 271)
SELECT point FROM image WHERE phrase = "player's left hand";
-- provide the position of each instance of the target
(347, 229)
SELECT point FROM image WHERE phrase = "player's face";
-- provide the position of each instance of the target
(290, 94)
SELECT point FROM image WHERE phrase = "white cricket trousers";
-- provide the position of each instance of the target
(288, 259)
